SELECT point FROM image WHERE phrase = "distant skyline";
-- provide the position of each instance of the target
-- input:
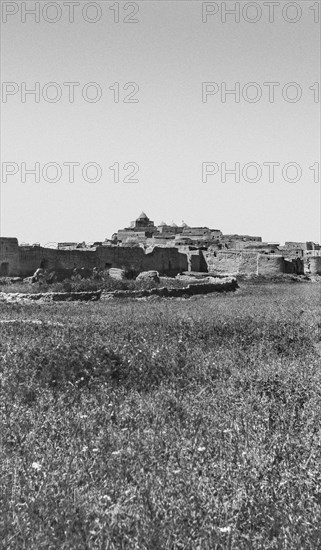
(172, 130)
(176, 222)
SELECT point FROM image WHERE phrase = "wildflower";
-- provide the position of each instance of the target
(36, 466)
(226, 529)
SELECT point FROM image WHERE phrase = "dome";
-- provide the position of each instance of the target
(142, 216)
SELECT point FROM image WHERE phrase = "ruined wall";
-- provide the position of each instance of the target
(128, 258)
(167, 261)
(270, 264)
(295, 266)
(298, 245)
(289, 266)
(196, 261)
(290, 253)
(9, 256)
(23, 261)
(61, 261)
(309, 253)
(315, 265)
(222, 262)
(299, 266)
(248, 262)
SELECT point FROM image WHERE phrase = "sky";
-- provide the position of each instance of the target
(140, 130)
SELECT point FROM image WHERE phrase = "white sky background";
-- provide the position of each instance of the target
(169, 132)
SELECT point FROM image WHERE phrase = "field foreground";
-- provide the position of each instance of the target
(163, 424)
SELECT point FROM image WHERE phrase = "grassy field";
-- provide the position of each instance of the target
(163, 424)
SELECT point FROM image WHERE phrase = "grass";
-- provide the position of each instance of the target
(175, 424)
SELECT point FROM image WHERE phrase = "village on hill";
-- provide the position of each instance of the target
(168, 248)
